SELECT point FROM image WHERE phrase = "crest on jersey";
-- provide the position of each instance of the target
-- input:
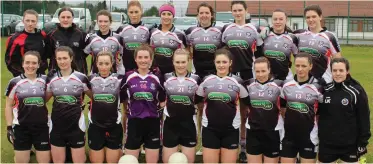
(285, 46)
(152, 86)
(42, 88)
(143, 37)
(112, 86)
(321, 43)
(57, 44)
(190, 89)
(76, 44)
(215, 37)
(75, 88)
(270, 93)
(233, 88)
(344, 101)
(308, 96)
(43, 43)
(113, 48)
(172, 42)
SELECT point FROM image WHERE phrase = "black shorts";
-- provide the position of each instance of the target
(263, 142)
(245, 74)
(73, 137)
(329, 154)
(99, 137)
(143, 131)
(291, 147)
(28, 135)
(177, 131)
(216, 139)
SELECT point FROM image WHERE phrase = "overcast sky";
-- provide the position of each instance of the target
(180, 5)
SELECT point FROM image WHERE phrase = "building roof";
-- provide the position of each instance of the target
(293, 8)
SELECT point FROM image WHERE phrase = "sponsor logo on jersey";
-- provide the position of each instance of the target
(297, 106)
(224, 97)
(143, 96)
(132, 46)
(327, 100)
(278, 55)
(205, 47)
(264, 104)
(238, 43)
(66, 99)
(39, 101)
(179, 99)
(108, 98)
(344, 101)
(314, 53)
(163, 51)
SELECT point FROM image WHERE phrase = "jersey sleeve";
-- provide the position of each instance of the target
(86, 83)
(334, 45)
(183, 39)
(363, 121)
(244, 95)
(13, 56)
(294, 46)
(123, 89)
(11, 89)
(259, 39)
(161, 90)
(88, 48)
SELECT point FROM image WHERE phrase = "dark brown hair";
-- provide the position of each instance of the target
(212, 11)
(31, 12)
(70, 52)
(144, 47)
(32, 53)
(65, 9)
(287, 28)
(304, 55)
(340, 60)
(243, 3)
(263, 60)
(315, 8)
(105, 13)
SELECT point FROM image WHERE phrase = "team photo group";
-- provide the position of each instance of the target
(237, 93)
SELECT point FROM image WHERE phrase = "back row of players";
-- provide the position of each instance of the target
(146, 89)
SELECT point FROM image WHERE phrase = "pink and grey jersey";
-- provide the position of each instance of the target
(242, 42)
(204, 43)
(301, 107)
(321, 46)
(29, 100)
(180, 93)
(67, 93)
(264, 105)
(105, 106)
(278, 49)
(165, 44)
(221, 96)
(131, 38)
(111, 44)
(144, 93)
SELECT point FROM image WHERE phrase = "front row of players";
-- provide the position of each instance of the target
(284, 118)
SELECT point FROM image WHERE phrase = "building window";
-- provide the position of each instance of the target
(368, 26)
(330, 24)
(356, 26)
(295, 26)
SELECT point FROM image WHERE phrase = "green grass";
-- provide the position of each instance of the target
(361, 59)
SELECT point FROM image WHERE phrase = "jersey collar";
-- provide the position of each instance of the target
(187, 75)
(171, 30)
(322, 30)
(59, 74)
(100, 34)
(23, 76)
(105, 77)
(211, 25)
(309, 81)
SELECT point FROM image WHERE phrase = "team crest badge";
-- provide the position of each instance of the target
(344, 101)
(57, 44)
(285, 46)
(190, 89)
(143, 37)
(172, 42)
(270, 93)
(113, 47)
(152, 86)
(112, 86)
(248, 34)
(75, 88)
(308, 96)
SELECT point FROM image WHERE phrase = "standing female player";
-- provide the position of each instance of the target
(203, 40)
(105, 40)
(264, 122)
(221, 115)
(133, 34)
(105, 132)
(179, 126)
(243, 40)
(343, 112)
(68, 34)
(279, 45)
(67, 121)
(318, 42)
(146, 95)
(30, 39)
(300, 96)
(166, 39)
(25, 98)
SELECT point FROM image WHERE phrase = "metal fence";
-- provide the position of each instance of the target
(349, 20)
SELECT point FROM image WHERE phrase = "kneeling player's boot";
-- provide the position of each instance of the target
(242, 158)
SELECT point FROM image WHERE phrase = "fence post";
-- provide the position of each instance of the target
(2, 16)
(85, 13)
(43, 1)
(348, 22)
(215, 10)
(364, 27)
(304, 6)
